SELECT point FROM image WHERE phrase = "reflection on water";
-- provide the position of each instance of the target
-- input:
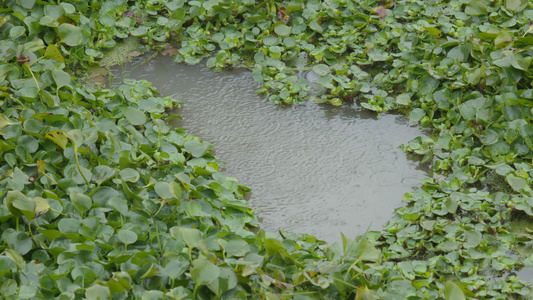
(313, 168)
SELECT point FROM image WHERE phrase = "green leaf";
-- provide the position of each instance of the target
(16, 32)
(476, 8)
(127, 236)
(6, 264)
(489, 137)
(27, 292)
(70, 34)
(61, 78)
(24, 204)
(403, 99)
(204, 271)
(102, 173)
(512, 112)
(378, 56)
(194, 209)
(451, 205)
(315, 26)
(321, 70)
(175, 268)
(68, 225)
(29, 142)
(191, 236)
(282, 30)
(19, 242)
(226, 281)
(367, 251)
(163, 190)
(129, 174)
(417, 114)
(27, 4)
(472, 239)
(48, 21)
(97, 292)
(135, 116)
(196, 148)
(140, 31)
(516, 183)
(515, 6)
(121, 205)
(81, 202)
(175, 189)
(444, 140)
(237, 248)
(503, 39)
(453, 292)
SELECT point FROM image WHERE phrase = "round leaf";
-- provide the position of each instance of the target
(135, 116)
(127, 236)
(70, 34)
(81, 202)
(282, 30)
(321, 70)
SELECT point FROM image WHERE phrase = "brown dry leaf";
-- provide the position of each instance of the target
(283, 16)
(170, 51)
(22, 59)
(135, 53)
(381, 12)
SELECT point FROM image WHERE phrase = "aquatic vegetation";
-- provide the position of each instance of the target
(101, 199)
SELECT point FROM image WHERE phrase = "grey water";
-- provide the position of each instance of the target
(312, 168)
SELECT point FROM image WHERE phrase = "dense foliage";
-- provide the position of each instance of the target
(100, 199)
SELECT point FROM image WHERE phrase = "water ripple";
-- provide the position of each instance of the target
(313, 168)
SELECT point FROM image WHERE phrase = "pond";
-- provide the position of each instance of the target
(313, 168)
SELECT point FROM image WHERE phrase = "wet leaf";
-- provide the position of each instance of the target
(403, 99)
(321, 70)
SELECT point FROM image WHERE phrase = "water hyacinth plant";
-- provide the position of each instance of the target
(101, 199)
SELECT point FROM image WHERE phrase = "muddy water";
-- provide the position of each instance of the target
(313, 168)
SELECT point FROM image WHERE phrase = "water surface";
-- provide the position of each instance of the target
(313, 168)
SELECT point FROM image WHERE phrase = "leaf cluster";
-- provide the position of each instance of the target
(100, 198)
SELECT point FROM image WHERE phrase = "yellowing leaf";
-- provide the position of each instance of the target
(58, 137)
(41, 205)
(53, 53)
(41, 164)
(4, 121)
